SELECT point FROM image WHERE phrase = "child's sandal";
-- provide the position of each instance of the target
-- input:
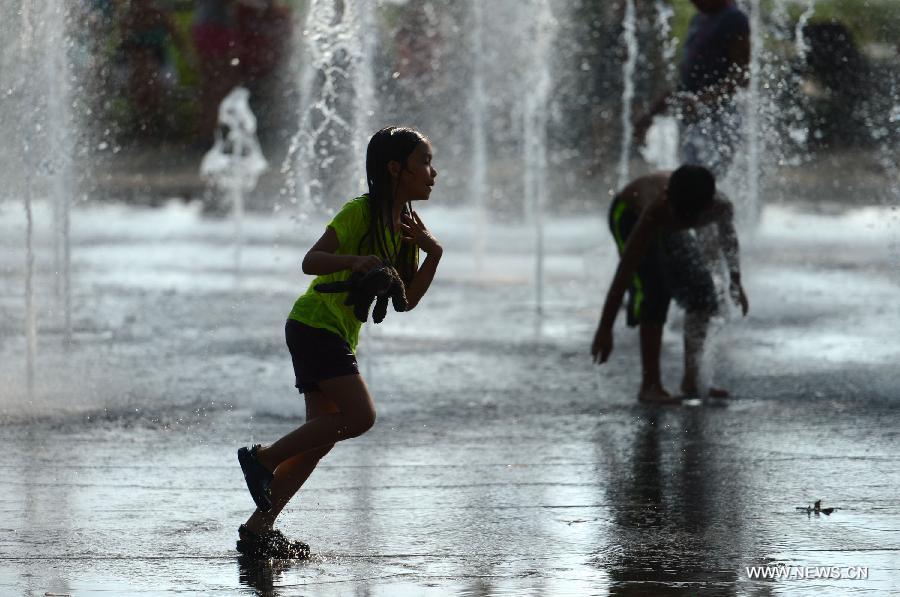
(257, 477)
(270, 544)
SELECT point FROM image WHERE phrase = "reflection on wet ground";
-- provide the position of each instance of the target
(502, 462)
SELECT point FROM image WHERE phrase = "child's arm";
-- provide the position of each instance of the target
(321, 260)
(635, 249)
(414, 231)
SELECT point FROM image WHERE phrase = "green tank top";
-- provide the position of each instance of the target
(327, 310)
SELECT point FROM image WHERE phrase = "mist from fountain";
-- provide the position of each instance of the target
(534, 133)
(629, 34)
(800, 44)
(477, 104)
(512, 72)
(660, 148)
(235, 162)
(777, 132)
(664, 15)
(750, 202)
(337, 104)
(38, 90)
(57, 76)
(30, 312)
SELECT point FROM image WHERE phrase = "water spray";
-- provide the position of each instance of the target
(535, 136)
(478, 164)
(629, 25)
(236, 161)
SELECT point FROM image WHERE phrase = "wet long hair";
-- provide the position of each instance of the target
(392, 143)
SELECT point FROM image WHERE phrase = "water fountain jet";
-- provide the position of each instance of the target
(629, 33)
(236, 161)
(337, 103)
(534, 137)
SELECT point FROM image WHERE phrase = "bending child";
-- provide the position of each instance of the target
(652, 221)
(322, 332)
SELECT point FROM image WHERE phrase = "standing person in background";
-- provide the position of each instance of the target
(714, 65)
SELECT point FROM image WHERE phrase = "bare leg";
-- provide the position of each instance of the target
(355, 416)
(291, 474)
(695, 331)
(652, 389)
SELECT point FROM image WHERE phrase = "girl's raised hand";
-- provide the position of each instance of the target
(414, 231)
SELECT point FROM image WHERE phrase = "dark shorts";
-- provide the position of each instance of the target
(674, 267)
(317, 355)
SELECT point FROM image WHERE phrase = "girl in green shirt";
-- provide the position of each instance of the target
(322, 332)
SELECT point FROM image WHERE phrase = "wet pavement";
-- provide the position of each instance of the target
(503, 462)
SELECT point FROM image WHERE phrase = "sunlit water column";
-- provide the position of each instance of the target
(37, 112)
(753, 110)
(56, 74)
(477, 187)
(337, 103)
(26, 47)
(629, 33)
(30, 319)
(536, 97)
(364, 118)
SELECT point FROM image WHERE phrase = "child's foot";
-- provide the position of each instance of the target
(656, 395)
(257, 477)
(270, 544)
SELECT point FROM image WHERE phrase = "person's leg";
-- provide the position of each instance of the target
(291, 474)
(652, 389)
(696, 330)
(694, 289)
(355, 416)
(695, 325)
(621, 222)
(651, 310)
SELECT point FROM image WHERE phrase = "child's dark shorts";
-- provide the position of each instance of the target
(674, 267)
(317, 355)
